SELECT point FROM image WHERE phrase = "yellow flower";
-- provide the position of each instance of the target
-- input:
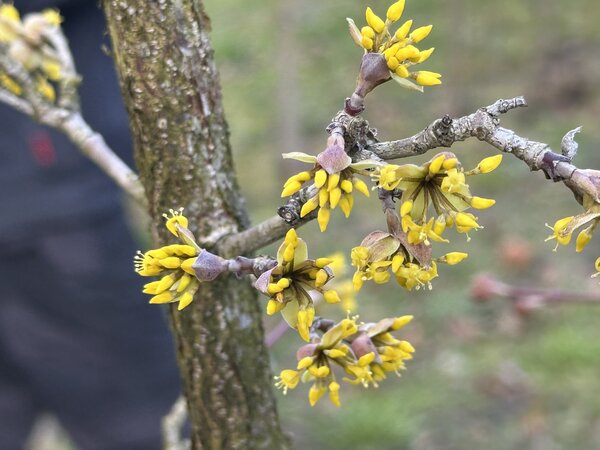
(597, 267)
(173, 263)
(316, 362)
(438, 185)
(378, 351)
(24, 39)
(365, 352)
(334, 177)
(398, 48)
(291, 281)
(563, 229)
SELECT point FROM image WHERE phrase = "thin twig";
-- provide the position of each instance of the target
(172, 425)
(526, 299)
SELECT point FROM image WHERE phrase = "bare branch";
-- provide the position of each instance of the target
(446, 131)
(484, 125)
(526, 299)
(66, 118)
(172, 425)
(93, 145)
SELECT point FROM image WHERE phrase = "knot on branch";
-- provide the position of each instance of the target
(442, 130)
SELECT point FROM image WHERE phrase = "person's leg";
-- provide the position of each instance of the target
(17, 409)
(99, 356)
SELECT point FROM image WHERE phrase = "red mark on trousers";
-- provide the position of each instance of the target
(42, 148)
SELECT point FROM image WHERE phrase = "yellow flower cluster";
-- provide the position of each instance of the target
(289, 284)
(365, 352)
(398, 48)
(173, 263)
(439, 184)
(563, 229)
(381, 254)
(26, 43)
(334, 177)
(597, 267)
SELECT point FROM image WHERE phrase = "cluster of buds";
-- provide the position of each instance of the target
(365, 352)
(173, 263)
(334, 177)
(290, 283)
(438, 185)
(28, 42)
(381, 254)
(394, 51)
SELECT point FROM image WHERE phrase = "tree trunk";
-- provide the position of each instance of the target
(172, 94)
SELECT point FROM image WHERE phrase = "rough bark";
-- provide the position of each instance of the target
(172, 93)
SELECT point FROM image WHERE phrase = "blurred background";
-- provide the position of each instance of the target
(484, 376)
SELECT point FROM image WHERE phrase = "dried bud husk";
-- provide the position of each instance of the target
(363, 345)
(333, 159)
(381, 245)
(208, 266)
(373, 72)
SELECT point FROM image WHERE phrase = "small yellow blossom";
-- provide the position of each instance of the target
(173, 263)
(398, 48)
(597, 267)
(438, 185)
(563, 229)
(27, 42)
(334, 175)
(365, 352)
(290, 283)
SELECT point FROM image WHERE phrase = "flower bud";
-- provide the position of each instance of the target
(395, 11)
(489, 164)
(402, 32)
(374, 21)
(482, 203)
(420, 33)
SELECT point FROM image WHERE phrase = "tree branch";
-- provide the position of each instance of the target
(526, 299)
(65, 116)
(484, 125)
(172, 425)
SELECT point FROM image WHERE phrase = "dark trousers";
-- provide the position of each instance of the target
(78, 340)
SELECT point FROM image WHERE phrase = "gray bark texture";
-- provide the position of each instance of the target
(172, 93)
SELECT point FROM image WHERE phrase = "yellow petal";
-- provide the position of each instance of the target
(402, 32)
(334, 197)
(453, 258)
(185, 300)
(323, 218)
(320, 178)
(425, 54)
(482, 203)
(331, 297)
(399, 322)
(420, 33)
(489, 164)
(309, 206)
(346, 186)
(332, 181)
(374, 21)
(361, 187)
(426, 78)
(291, 189)
(165, 297)
(395, 11)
